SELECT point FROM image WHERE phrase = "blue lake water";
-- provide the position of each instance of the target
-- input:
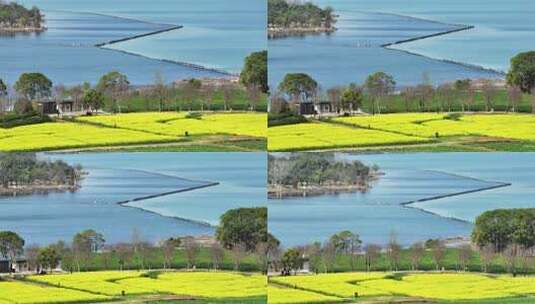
(502, 29)
(377, 213)
(115, 177)
(215, 35)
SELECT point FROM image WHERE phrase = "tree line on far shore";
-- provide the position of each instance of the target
(114, 93)
(285, 14)
(25, 169)
(502, 241)
(379, 93)
(241, 243)
(317, 169)
(15, 16)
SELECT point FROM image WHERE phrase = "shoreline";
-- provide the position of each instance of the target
(26, 30)
(287, 192)
(280, 32)
(37, 190)
(407, 204)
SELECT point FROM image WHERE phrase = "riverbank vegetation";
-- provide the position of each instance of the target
(496, 266)
(226, 114)
(305, 174)
(465, 115)
(289, 18)
(502, 242)
(26, 174)
(225, 267)
(16, 18)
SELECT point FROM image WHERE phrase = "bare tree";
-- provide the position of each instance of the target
(409, 94)
(334, 95)
(417, 251)
(32, 257)
(464, 254)
(328, 255)
(514, 97)
(124, 254)
(191, 249)
(489, 90)
(261, 254)
(169, 251)
(238, 253)
(228, 91)
(207, 96)
(438, 252)
(393, 251)
(371, 254)
(254, 94)
(217, 251)
(160, 90)
(486, 254)
(510, 255)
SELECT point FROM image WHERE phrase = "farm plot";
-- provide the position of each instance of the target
(324, 136)
(26, 293)
(435, 286)
(177, 124)
(202, 284)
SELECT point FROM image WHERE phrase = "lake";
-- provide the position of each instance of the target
(116, 177)
(378, 213)
(502, 29)
(215, 35)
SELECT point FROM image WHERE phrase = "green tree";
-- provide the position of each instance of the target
(299, 86)
(349, 243)
(93, 100)
(11, 245)
(522, 71)
(49, 257)
(85, 243)
(33, 86)
(379, 85)
(255, 71)
(115, 84)
(352, 98)
(247, 226)
(291, 261)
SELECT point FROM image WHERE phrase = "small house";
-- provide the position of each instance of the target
(51, 107)
(21, 265)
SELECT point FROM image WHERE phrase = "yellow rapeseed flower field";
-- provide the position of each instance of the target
(309, 136)
(102, 282)
(123, 129)
(197, 284)
(202, 284)
(512, 126)
(176, 124)
(436, 286)
(27, 293)
(278, 295)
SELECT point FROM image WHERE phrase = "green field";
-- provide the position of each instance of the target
(148, 287)
(410, 132)
(239, 131)
(435, 287)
